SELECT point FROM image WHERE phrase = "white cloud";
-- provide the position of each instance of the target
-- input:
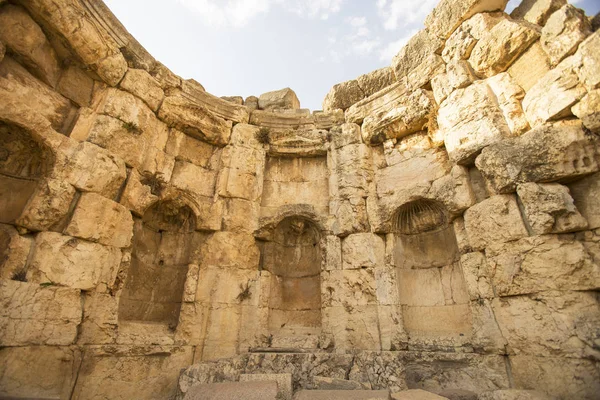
(365, 47)
(312, 8)
(357, 21)
(391, 49)
(400, 13)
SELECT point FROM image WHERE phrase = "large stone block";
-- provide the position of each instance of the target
(342, 96)
(100, 319)
(48, 206)
(509, 96)
(248, 389)
(353, 327)
(549, 323)
(539, 263)
(563, 32)
(537, 11)
(548, 153)
(477, 276)
(461, 42)
(71, 262)
(468, 129)
(284, 99)
(14, 253)
(586, 194)
(230, 250)
(449, 14)
(494, 220)
(376, 80)
(377, 102)
(225, 286)
(36, 314)
(348, 288)
(588, 111)
(530, 67)
(500, 47)
(76, 85)
(418, 61)
(101, 220)
(549, 208)
(588, 61)
(141, 84)
(193, 179)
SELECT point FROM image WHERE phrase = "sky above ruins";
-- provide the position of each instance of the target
(248, 47)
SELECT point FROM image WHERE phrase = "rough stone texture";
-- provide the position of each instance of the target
(342, 96)
(14, 252)
(586, 194)
(342, 394)
(418, 60)
(537, 11)
(587, 58)
(588, 110)
(563, 32)
(376, 80)
(417, 394)
(284, 383)
(548, 153)
(513, 394)
(530, 67)
(234, 390)
(284, 99)
(549, 208)
(76, 85)
(144, 86)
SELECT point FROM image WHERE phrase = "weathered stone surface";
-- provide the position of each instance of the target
(14, 252)
(540, 263)
(549, 208)
(460, 74)
(563, 32)
(460, 44)
(251, 102)
(193, 179)
(101, 220)
(537, 11)
(25, 39)
(588, 59)
(76, 85)
(494, 220)
(513, 394)
(377, 102)
(230, 250)
(586, 194)
(195, 93)
(112, 68)
(441, 87)
(509, 96)
(418, 61)
(554, 94)
(325, 383)
(588, 111)
(342, 96)
(530, 67)
(36, 314)
(71, 262)
(410, 115)
(449, 14)
(476, 273)
(284, 383)
(141, 84)
(549, 323)
(284, 99)
(467, 129)
(48, 206)
(290, 120)
(376, 80)
(234, 390)
(342, 395)
(416, 394)
(548, 153)
(500, 47)
(239, 100)
(195, 120)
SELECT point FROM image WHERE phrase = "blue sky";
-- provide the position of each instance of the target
(248, 47)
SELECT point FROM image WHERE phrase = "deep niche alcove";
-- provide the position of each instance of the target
(162, 242)
(293, 257)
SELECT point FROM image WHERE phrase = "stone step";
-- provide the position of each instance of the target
(233, 391)
(342, 395)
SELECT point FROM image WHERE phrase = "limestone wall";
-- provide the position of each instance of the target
(436, 226)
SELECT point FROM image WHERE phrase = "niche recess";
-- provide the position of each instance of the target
(23, 163)
(431, 285)
(294, 259)
(161, 251)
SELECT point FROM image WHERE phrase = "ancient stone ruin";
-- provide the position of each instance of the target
(435, 227)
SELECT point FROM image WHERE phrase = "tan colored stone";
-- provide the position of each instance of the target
(187, 148)
(137, 196)
(441, 87)
(242, 174)
(14, 253)
(460, 74)
(230, 250)
(468, 129)
(549, 208)
(416, 394)
(461, 42)
(101, 220)
(196, 95)
(247, 389)
(76, 85)
(530, 67)
(100, 319)
(343, 95)
(251, 102)
(376, 80)
(284, 99)
(112, 68)
(25, 39)
(449, 14)
(494, 220)
(377, 102)
(241, 215)
(537, 11)
(513, 394)
(422, 322)
(509, 96)
(411, 114)
(540, 263)
(351, 216)
(284, 383)
(586, 194)
(588, 110)
(418, 59)
(476, 275)
(141, 84)
(71, 262)
(588, 59)
(48, 206)
(193, 179)
(36, 314)
(548, 153)
(353, 327)
(565, 29)
(239, 100)
(362, 250)
(453, 190)
(501, 46)
(2, 51)
(328, 120)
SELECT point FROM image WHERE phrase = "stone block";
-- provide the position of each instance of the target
(342, 96)
(101, 220)
(416, 394)
(509, 96)
(48, 206)
(586, 194)
(439, 322)
(548, 153)
(363, 250)
(284, 99)
(342, 395)
(34, 314)
(494, 220)
(76, 85)
(348, 288)
(14, 253)
(374, 81)
(530, 67)
(353, 327)
(137, 196)
(477, 276)
(251, 390)
(537, 11)
(112, 68)
(285, 389)
(225, 286)
(100, 319)
(419, 61)
(193, 179)
(588, 59)
(141, 84)
(187, 148)
(549, 208)
(539, 263)
(588, 111)
(461, 42)
(564, 30)
(230, 250)
(513, 394)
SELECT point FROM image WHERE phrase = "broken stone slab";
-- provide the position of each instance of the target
(343, 95)
(565, 29)
(419, 61)
(477, 276)
(460, 44)
(416, 394)
(501, 45)
(468, 129)
(284, 99)
(195, 120)
(251, 102)
(513, 394)
(536, 11)
(586, 194)
(441, 87)
(530, 67)
(195, 93)
(377, 102)
(293, 120)
(285, 388)
(327, 383)
(101, 220)
(509, 96)
(548, 153)
(342, 395)
(27, 42)
(327, 120)
(588, 62)
(549, 208)
(494, 220)
(137, 196)
(376, 80)
(588, 111)
(541, 263)
(239, 100)
(411, 114)
(72, 262)
(449, 14)
(193, 179)
(141, 84)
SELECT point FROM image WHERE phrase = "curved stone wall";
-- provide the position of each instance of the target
(440, 219)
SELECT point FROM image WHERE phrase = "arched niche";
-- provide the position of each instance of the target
(293, 257)
(23, 164)
(162, 242)
(431, 285)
